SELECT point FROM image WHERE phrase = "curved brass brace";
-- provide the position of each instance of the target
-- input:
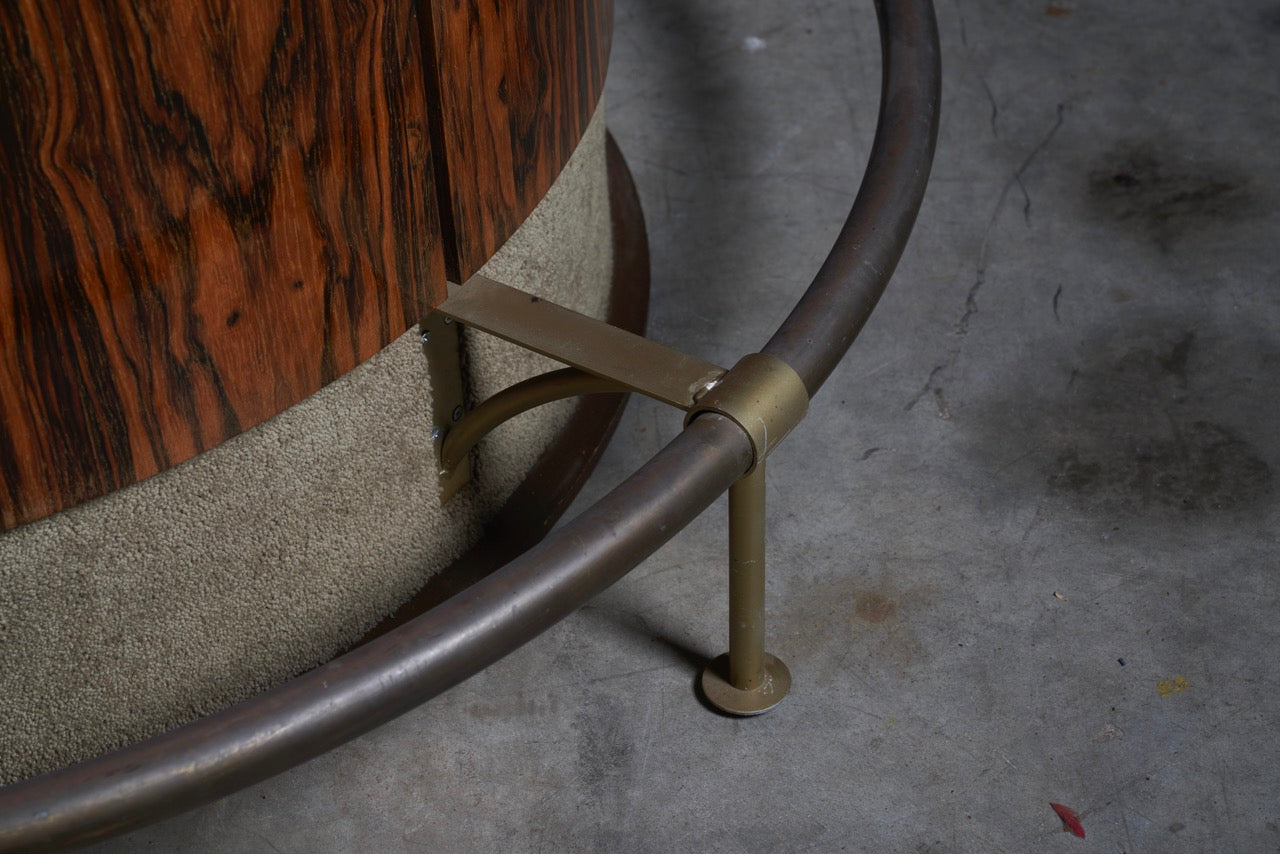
(510, 402)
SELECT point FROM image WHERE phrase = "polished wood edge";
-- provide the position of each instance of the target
(558, 475)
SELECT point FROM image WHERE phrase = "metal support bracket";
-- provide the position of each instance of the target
(762, 394)
(442, 346)
(633, 361)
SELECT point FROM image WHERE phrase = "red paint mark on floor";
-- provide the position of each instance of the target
(1070, 821)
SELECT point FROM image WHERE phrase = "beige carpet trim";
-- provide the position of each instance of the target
(259, 559)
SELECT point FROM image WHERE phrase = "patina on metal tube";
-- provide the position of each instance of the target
(831, 313)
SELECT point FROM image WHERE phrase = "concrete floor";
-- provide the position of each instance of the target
(1024, 548)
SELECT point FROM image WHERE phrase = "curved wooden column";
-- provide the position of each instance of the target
(215, 208)
(542, 67)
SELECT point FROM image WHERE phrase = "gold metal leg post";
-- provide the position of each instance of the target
(747, 680)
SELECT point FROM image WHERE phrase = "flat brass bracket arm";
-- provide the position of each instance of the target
(632, 361)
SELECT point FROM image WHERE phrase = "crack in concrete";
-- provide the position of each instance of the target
(961, 328)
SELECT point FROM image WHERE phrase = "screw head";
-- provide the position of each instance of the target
(457, 413)
(436, 433)
(426, 336)
(701, 391)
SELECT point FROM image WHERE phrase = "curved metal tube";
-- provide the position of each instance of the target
(384, 678)
(510, 402)
(831, 313)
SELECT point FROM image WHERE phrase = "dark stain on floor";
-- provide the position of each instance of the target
(1157, 417)
(605, 744)
(1138, 433)
(1202, 466)
(878, 620)
(1166, 198)
(874, 607)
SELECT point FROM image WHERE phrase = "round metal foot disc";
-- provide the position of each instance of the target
(735, 701)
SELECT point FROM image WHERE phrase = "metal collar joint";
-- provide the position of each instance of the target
(761, 394)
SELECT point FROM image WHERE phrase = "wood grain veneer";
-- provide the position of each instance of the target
(536, 71)
(215, 207)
